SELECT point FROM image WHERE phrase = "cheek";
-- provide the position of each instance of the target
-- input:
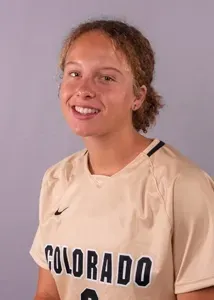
(67, 90)
(120, 100)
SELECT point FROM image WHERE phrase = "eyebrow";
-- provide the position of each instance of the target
(102, 68)
(71, 63)
(113, 69)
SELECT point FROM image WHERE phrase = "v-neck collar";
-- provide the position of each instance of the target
(100, 180)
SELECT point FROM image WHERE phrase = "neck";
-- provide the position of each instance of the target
(110, 153)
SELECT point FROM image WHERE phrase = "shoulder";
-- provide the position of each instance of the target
(169, 166)
(65, 168)
(179, 180)
(55, 182)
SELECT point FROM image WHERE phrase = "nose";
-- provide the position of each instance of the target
(85, 92)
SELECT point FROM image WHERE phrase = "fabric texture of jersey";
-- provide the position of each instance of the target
(145, 233)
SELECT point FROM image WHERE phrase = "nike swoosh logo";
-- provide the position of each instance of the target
(57, 213)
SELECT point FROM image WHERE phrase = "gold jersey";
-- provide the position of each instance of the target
(145, 233)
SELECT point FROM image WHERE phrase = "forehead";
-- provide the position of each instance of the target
(97, 47)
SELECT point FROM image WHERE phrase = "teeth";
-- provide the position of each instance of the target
(84, 110)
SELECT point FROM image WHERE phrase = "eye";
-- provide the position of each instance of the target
(74, 74)
(107, 78)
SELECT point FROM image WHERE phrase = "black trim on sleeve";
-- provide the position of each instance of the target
(156, 148)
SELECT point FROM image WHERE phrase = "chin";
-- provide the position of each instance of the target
(86, 132)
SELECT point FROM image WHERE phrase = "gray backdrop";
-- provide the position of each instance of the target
(33, 134)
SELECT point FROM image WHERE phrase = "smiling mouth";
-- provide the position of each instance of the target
(85, 110)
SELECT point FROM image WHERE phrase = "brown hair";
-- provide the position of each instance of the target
(140, 56)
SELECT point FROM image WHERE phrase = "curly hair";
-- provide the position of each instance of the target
(140, 56)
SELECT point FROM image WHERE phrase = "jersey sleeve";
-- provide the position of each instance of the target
(54, 183)
(37, 251)
(193, 231)
(37, 248)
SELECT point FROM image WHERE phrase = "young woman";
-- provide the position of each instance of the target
(127, 217)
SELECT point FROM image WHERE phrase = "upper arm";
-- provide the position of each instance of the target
(193, 234)
(46, 286)
(205, 294)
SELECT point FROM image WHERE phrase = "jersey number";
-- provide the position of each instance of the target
(89, 295)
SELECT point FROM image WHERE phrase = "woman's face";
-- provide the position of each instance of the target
(97, 87)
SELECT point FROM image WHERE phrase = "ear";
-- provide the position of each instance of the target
(140, 97)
